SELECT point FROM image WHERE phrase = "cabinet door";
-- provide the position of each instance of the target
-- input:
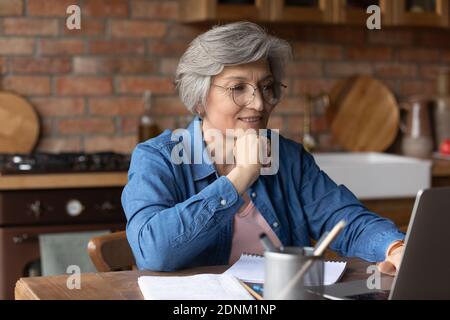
(315, 11)
(228, 10)
(355, 11)
(421, 12)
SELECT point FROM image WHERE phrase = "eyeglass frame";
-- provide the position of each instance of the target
(230, 89)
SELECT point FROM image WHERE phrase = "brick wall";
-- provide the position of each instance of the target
(87, 85)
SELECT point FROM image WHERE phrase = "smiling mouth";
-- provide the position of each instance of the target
(251, 119)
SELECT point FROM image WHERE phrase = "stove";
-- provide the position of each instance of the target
(25, 214)
(36, 163)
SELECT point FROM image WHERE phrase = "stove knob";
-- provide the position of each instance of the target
(74, 208)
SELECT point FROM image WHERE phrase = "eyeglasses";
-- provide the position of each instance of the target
(244, 93)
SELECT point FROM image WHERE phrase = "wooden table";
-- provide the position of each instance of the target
(123, 285)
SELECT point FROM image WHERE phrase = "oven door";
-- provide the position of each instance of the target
(19, 251)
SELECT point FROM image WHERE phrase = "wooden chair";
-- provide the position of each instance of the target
(111, 252)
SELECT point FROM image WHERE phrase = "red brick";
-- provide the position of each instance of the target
(89, 86)
(391, 37)
(47, 127)
(137, 85)
(311, 86)
(113, 106)
(323, 34)
(117, 47)
(91, 65)
(176, 48)
(3, 66)
(16, 46)
(61, 47)
(168, 66)
(27, 85)
(445, 56)
(137, 29)
(295, 124)
(289, 105)
(305, 69)
(105, 8)
(395, 70)
(40, 65)
(347, 68)
(431, 72)
(131, 124)
(120, 144)
(45, 8)
(86, 126)
(58, 145)
(55, 107)
(319, 124)
(158, 10)
(314, 51)
(185, 31)
(89, 27)
(11, 8)
(408, 88)
(416, 54)
(30, 27)
(276, 122)
(169, 106)
(369, 53)
(433, 39)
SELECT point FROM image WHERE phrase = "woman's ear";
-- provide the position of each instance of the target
(200, 110)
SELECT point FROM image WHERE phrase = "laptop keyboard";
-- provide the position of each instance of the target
(378, 295)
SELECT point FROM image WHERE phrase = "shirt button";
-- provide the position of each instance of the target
(275, 224)
(223, 202)
(253, 194)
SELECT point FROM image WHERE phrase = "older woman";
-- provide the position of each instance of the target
(189, 214)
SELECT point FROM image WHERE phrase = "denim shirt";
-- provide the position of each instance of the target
(180, 215)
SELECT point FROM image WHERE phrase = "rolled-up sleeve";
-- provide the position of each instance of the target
(164, 230)
(366, 235)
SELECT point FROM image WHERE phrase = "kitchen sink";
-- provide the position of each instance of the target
(372, 175)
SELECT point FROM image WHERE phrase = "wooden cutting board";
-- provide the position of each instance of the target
(19, 124)
(363, 114)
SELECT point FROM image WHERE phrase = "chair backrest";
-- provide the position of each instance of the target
(111, 252)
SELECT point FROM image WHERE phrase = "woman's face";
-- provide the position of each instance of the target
(223, 113)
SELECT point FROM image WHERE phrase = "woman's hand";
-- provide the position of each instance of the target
(393, 259)
(248, 164)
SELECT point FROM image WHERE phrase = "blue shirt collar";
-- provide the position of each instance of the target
(206, 168)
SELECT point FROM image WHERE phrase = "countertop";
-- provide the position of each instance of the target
(62, 181)
(441, 168)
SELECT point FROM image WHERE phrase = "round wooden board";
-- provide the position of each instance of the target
(363, 114)
(19, 124)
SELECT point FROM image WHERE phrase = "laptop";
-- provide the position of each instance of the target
(424, 272)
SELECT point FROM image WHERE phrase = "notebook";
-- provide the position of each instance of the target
(197, 287)
(250, 268)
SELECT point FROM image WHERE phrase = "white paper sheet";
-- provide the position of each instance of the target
(197, 287)
(250, 268)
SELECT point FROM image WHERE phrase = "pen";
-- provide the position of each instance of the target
(255, 295)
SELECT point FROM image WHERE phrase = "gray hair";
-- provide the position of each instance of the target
(227, 45)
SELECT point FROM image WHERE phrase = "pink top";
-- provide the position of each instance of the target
(248, 225)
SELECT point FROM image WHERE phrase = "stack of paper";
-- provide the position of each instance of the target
(250, 268)
(198, 287)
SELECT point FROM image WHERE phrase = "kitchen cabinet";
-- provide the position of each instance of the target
(315, 11)
(355, 11)
(229, 10)
(433, 13)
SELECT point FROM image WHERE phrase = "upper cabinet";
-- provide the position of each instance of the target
(394, 12)
(355, 11)
(421, 12)
(315, 11)
(207, 10)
